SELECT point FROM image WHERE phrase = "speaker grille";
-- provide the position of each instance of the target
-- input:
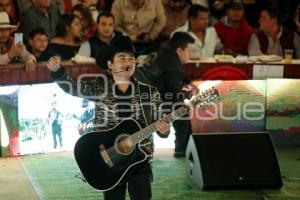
(239, 160)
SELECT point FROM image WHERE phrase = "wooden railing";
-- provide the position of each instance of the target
(15, 74)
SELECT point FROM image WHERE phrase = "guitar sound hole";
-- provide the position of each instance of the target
(124, 145)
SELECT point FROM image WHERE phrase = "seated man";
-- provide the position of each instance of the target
(216, 8)
(141, 20)
(207, 42)
(105, 35)
(40, 14)
(176, 13)
(233, 29)
(38, 45)
(9, 51)
(272, 38)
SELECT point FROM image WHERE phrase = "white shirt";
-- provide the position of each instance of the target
(211, 44)
(201, 2)
(85, 49)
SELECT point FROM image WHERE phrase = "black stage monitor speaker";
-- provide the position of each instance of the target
(233, 161)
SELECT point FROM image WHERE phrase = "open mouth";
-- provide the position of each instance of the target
(127, 68)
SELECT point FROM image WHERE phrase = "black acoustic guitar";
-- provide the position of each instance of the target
(105, 157)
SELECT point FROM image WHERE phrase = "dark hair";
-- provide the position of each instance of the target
(234, 4)
(273, 13)
(64, 21)
(106, 14)
(36, 31)
(86, 13)
(195, 8)
(180, 39)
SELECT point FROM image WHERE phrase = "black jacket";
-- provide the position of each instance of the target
(165, 72)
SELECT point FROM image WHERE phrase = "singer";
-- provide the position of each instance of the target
(124, 98)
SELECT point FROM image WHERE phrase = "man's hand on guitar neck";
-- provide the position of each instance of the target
(195, 90)
(188, 102)
(162, 126)
(191, 88)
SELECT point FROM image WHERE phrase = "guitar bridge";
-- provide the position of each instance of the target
(105, 156)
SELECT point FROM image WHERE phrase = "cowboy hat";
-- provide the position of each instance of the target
(106, 52)
(4, 21)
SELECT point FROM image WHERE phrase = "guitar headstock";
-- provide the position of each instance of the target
(205, 98)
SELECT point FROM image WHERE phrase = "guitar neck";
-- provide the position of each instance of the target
(146, 132)
(200, 100)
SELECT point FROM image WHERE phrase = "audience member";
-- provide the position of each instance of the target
(106, 35)
(283, 9)
(40, 14)
(252, 12)
(67, 40)
(106, 4)
(9, 51)
(233, 29)
(294, 20)
(141, 20)
(272, 38)
(217, 9)
(207, 42)
(201, 2)
(166, 73)
(38, 45)
(91, 4)
(253, 9)
(177, 14)
(88, 3)
(24, 5)
(7, 6)
(88, 24)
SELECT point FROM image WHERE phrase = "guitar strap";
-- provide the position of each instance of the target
(145, 97)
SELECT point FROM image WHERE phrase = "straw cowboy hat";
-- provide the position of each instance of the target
(4, 21)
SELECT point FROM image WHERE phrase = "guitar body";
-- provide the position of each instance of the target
(105, 157)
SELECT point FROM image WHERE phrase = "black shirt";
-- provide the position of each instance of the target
(45, 55)
(124, 105)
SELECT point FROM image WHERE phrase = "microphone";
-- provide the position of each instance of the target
(124, 70)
